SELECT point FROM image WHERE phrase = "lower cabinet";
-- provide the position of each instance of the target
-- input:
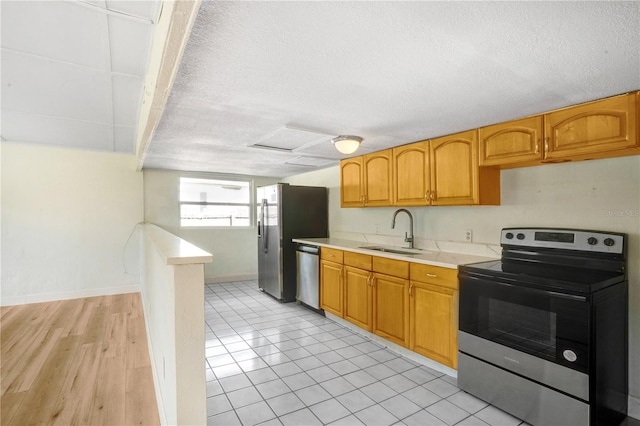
(434, 322)
(391, 308)
(357, 289)
(410, 304)
(331, 287)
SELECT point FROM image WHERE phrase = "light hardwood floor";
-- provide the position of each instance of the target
(76, 362)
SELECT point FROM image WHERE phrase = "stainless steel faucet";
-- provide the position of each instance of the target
(407, 238)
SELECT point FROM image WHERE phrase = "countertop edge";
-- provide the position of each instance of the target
(430, 257)
(174, 249)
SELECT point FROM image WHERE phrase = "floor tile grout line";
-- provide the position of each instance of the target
(333, 328)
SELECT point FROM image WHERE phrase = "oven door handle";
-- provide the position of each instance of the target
(529, 289)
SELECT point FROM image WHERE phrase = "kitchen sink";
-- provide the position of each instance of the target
(405, 251)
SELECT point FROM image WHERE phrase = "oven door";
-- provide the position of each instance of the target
(544, 324)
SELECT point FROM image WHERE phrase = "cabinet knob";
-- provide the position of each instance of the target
(538, 145)
(431, 275)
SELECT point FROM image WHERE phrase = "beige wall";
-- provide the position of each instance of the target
(235, 251)
(66, 218)
(598, 195)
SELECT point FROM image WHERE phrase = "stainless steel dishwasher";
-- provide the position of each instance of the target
(308, 275)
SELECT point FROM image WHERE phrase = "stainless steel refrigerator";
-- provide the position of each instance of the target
(286, 212)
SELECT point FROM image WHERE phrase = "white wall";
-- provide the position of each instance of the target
(66, 218)
(235, 251)
(598, 195)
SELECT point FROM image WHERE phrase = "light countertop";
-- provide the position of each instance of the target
(175, 250)
(429, 257)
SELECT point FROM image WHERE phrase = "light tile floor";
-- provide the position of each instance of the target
(278, 363)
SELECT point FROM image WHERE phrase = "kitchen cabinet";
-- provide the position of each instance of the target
(413, 305)
(358, 289)
(351, 182)
(411, 175)
(377, 178)
(443, 171)
(376, 295)
(464, 168)
(391, 300)
(599, 129)
(511, 143)
(433, 321)
(331, 281)
(366, 180)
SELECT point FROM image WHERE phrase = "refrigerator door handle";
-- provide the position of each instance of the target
(261, 225)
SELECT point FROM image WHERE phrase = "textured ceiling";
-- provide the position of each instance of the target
(391, 72)
(263, 86)
(73, 71)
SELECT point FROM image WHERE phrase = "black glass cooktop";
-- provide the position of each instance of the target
(550, 277)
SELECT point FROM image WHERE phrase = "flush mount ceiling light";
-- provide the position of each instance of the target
(346, 144)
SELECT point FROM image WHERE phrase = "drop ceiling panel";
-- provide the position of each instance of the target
(38, 85)
(129, 41)
(54, 29)
(127, 95)
(143, 9)
(21, 127)
(124, 138)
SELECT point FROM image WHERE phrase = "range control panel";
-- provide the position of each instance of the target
(570, 239)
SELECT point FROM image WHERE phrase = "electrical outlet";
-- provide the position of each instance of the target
(468, 235)
(377, 225)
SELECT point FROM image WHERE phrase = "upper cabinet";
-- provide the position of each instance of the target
(351, 182)
(443, 171)
(411, 175)
(454, 170)
(366, 180)
(599, 129)
(593, 130)
(511, 143)
(377, 178)
(464, 169)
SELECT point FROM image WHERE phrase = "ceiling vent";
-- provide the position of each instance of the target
(311, 162)
(291, 139)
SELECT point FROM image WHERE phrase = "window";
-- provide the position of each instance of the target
(211, 202)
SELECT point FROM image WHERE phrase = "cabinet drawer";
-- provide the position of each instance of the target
(357, 260)
(330, 254)
(435, 275)
(396, 268)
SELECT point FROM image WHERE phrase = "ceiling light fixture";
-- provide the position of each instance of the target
(346, 144)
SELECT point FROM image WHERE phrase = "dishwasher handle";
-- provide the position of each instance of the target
(308, 249)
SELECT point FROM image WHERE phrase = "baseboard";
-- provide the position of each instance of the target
(152, 360)
(634, 407)
(76, 294)
(230, 278)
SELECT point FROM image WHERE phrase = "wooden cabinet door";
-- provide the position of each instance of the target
(331, 290)
(351, 182)
(454, 169)
(511, 143)
(391, 308)
(433, 323)
(411, 175)
(378, 178)
(357, 297)
(592, 128)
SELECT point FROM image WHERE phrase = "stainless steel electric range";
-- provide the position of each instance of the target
(543, 330)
